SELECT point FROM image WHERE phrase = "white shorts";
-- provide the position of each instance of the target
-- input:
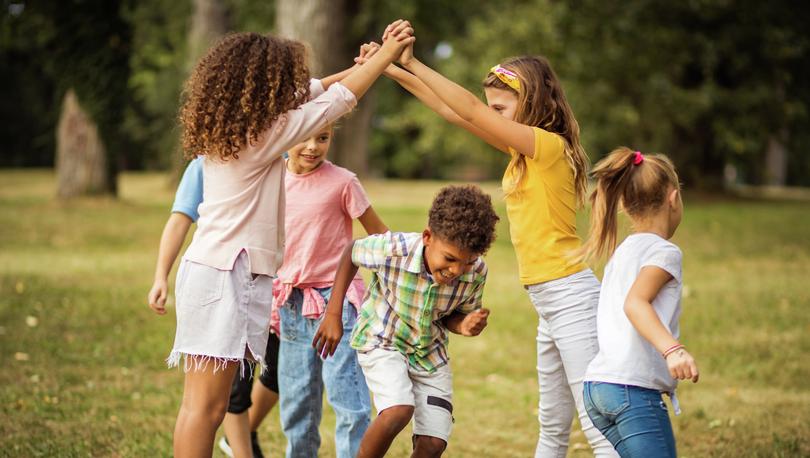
(220, 315)
(393, 382)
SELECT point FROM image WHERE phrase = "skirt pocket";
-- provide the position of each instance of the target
(202, 285)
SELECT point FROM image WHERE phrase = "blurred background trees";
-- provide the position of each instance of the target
(722, 87)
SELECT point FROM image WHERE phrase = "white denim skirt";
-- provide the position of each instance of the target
(223, 316)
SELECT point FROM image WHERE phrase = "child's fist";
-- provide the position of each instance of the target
(157, 297)
(474, 322)
(328, 335)
(682, 366)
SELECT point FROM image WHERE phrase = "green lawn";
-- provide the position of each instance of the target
(82, 355)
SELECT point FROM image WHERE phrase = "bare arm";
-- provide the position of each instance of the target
(470, 324)
(372, 223)
(499, 131)
(425, 95)
(359, 80)
(331, 79)
(639, 310)
(330, 331)
(174, 234)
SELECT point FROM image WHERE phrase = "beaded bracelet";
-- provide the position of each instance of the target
(672, 349)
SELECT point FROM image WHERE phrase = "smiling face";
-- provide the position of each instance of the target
(310, 154)
(504, 101)
(445, 260)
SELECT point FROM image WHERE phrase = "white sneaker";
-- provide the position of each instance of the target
(223, 445)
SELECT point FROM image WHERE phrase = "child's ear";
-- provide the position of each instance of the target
(673, 197)
(426, 236)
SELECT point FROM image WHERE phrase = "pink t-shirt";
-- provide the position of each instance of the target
(320, 208)
(243, 199)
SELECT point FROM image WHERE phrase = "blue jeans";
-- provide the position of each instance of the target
(302, 375)
(632, 418)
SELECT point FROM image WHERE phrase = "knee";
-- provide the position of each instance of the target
(428, 446)
(212, 411)
(396, 418)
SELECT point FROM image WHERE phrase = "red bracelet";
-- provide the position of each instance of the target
(672, 349)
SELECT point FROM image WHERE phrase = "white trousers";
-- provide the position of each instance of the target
(566, 344)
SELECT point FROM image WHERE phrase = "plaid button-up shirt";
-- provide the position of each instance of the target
(404, 307)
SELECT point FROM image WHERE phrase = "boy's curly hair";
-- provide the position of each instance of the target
(463, 215)
(238, 89)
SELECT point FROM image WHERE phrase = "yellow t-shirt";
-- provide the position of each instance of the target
(542, 213)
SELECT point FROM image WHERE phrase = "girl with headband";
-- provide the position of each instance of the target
(528, 117)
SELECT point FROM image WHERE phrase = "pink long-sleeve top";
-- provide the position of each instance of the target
(243, 199)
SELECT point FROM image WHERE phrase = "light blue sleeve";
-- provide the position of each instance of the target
(190, 192)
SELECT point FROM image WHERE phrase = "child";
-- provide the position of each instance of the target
(423, 285)
(322, 200)
(246, 408)
(639, 305)
(245, 104)
(529, 118)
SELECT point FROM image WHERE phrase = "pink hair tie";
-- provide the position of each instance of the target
(638, 158)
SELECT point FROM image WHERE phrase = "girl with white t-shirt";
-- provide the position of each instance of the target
(639, 356)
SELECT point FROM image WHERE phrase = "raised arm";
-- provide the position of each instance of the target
(498, 130)
(359, 80)
(425, 95)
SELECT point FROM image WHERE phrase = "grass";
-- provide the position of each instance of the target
(82, 355)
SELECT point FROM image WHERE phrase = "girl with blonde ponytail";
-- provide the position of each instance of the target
(528, 117)
(639, 305)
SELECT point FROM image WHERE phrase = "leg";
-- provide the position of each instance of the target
(644, 427)
(573, 325)
(265, 393)
(388, 379)
(347, 392)
(205, 399)
(236, 420)
(556, 411)
(433, 415)
(428, 447)
(384, 430)
(299, 377)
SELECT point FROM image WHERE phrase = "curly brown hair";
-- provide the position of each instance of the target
(238, 89)
(463, 216)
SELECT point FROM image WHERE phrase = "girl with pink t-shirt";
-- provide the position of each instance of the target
(322, 201)
(246, 103)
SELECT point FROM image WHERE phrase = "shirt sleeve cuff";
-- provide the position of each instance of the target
(315, 88)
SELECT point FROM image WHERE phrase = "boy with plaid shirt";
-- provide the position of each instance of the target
(423, 286)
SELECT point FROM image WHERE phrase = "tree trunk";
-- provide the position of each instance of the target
(209, 21)
(776, 159)
(324, 26)
(81, 162)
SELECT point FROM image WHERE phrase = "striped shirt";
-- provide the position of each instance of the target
(403, 307)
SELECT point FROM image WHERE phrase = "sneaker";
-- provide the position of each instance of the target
(254, 444)
(223, 445)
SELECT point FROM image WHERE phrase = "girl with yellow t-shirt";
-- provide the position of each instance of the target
(528, 117)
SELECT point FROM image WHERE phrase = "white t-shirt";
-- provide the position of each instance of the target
(624, 356)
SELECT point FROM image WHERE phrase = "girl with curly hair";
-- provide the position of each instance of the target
(246, 102)
(527, 116)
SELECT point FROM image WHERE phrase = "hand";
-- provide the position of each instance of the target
(367, 50)
(157, 296)
(396, 37)
(682, 366)
(328, 336)
(474, 322)
(407, 55)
